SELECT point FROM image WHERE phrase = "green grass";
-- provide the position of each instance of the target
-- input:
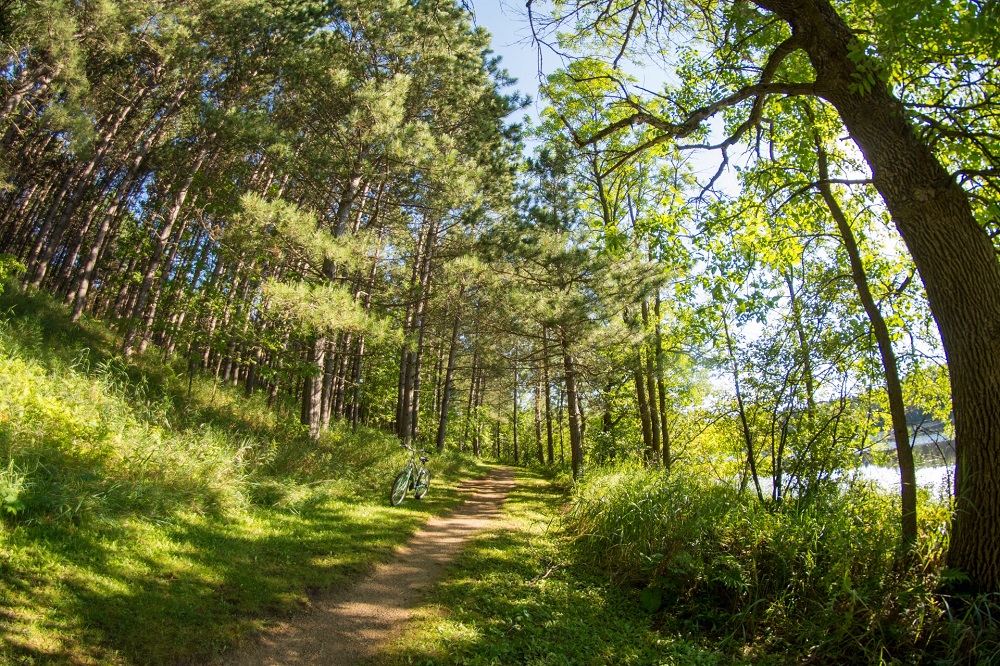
(519, 594)
(634, 566)
(141, 525)
(820, 582)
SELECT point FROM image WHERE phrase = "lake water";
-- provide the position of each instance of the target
(938, 479)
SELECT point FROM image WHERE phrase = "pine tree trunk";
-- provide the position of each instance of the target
(139, 308)
(81, 185)
(121, 196)
(312, 395)
(550, 443)
(538, 415)
(517, 460)
(449, 375)
(150, 317)
(575, 430)
(477, 437)
(473, 380)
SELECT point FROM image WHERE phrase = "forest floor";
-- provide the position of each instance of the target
(354, 625)
(149, 517)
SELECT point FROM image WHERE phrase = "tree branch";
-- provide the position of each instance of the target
(689, 125)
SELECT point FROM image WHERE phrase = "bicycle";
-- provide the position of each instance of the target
(414, 476)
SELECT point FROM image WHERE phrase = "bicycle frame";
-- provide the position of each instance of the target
(414, 476)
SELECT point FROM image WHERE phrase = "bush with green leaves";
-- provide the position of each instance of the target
(821, 580)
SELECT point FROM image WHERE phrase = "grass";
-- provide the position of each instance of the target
(819, 582)
(634, 566)
(144, 525)
(146, 520)
(520, 594)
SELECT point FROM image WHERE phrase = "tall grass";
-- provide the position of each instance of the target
(822, 582)
(84, 433)
(150, 517)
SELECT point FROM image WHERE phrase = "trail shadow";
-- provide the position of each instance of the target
(352, 625)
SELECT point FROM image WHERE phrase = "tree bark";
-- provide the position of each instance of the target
(473, 382)
(477, 437)
(660, 389)
(138, 309)
(517, 460)
(550, 443)
(312, 394)
(538, 415)
(575, 432)
(654, 412)
(742, 413)
(640, 394)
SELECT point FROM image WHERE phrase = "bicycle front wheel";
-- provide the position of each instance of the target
(423, 483)
(399, 488)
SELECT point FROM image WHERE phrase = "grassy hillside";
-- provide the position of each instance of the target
(142, 523)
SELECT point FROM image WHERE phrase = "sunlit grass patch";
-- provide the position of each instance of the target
(821, 581)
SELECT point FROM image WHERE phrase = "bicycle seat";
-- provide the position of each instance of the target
(424, 458)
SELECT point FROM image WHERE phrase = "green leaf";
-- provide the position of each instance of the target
(651, 598)
(952, 575)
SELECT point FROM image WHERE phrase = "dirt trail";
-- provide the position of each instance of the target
(351, 626)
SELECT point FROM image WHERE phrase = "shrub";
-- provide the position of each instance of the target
(821, 581)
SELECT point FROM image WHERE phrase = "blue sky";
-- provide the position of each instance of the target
(508, 22)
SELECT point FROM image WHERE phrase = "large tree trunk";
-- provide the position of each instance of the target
(956, 261)
(312, 394)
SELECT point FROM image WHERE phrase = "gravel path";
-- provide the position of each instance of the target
(351, 626)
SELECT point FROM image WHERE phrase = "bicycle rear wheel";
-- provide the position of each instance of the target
(423, 483)
(399, 488)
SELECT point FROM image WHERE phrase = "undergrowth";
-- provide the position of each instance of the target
(820, 582)
(152, 517)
